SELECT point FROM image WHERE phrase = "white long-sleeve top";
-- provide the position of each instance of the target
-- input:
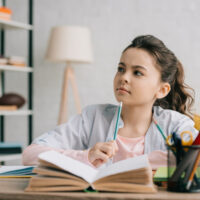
(96, 123)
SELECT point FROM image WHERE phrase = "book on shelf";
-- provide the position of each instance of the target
(17, 61)
(8, 107)
(57, 172)
(14, 61)
(10, 148)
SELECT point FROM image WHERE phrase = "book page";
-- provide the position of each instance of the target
(123, 166)
(69, 164)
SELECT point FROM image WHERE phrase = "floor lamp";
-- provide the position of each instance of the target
(69, 44)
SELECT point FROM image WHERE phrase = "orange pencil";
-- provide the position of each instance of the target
(193, 171)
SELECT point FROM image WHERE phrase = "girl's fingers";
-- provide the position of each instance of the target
(100, 156)
(101, 152)
(107, 149)
(97, 163)
(112, 146)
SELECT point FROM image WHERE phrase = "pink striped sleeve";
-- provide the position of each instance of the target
(30, 154)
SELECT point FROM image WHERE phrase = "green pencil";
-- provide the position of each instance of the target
(117, 122)
(160, 130)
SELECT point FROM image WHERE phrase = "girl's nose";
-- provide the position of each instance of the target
(123, 81)
(125, 78)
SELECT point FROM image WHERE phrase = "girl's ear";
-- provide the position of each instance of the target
(163, 91)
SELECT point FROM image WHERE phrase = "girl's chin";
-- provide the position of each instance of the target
(122, 97)
(123, 100)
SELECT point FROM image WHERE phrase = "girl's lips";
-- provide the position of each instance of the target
(123, 90)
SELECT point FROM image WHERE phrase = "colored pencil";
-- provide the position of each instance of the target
(159, 128)
(117, 122)
(193, 171)
(197, 140)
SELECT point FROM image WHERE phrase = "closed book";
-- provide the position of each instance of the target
(10, 148)
(16, 171)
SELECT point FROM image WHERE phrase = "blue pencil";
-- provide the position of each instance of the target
(117, 122)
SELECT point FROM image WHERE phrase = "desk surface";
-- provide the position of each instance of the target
(14, 189)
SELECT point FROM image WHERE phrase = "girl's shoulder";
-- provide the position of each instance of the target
(161, 113)
(171, 118)
(173, 121)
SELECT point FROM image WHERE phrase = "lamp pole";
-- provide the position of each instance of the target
(69, 77)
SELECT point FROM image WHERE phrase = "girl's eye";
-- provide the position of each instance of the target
(137, 73)
(120, 69)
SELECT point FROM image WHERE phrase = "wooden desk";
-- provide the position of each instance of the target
(14, 189)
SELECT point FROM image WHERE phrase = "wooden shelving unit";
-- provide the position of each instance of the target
(7, 25)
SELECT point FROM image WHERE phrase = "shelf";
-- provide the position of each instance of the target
(15, 68)
(7, 157)
(16, 112)
(27, 111)
(9, 24)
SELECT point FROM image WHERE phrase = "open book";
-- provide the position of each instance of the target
(58, 172)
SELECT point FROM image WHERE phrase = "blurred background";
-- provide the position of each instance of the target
(113, 25)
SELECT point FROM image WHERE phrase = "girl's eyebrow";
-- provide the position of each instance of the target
(134, 66)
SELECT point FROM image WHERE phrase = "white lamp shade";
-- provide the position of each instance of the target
(69, 44)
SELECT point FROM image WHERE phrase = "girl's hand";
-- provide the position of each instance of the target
(101, 152)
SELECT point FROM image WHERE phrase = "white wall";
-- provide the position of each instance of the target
(113, 24)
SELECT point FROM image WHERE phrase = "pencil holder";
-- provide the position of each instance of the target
(183, 173)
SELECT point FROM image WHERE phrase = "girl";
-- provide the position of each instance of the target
(149, 82)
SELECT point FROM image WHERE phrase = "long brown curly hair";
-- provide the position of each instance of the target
(179, 97)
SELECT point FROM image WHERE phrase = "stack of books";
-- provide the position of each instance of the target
(17, 61)
(13, 60)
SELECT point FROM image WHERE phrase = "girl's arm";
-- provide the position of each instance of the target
(97, 155)
(30, 155)
(70, 138)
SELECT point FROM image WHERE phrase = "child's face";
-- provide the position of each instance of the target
(137, 81)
